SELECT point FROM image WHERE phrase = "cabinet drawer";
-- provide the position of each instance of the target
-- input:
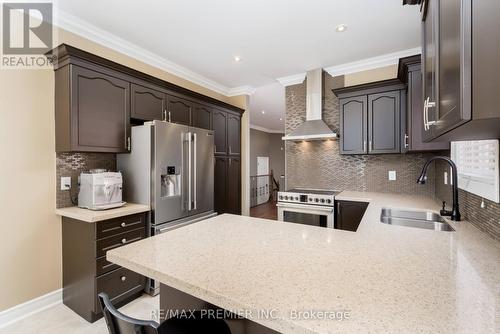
(111, 227)
(117, 283)
(103, 266)
(118, 240)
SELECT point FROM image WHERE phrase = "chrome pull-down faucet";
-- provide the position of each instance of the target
(455, 212)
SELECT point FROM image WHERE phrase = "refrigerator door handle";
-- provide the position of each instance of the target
(195, 171)
(190, 171)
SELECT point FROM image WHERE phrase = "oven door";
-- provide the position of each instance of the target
(315, 215)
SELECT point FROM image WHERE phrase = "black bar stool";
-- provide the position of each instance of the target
(119, 323)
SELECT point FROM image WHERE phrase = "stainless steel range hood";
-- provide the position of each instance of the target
(313, 128)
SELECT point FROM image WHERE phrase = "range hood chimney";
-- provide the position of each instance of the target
(313, 128)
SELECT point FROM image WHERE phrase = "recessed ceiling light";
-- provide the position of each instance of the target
(341, 28)
(281, 119)
(263, 112)
(237, 59)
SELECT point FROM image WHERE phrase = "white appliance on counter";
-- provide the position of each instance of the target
(171, 169)
(307, 206)
(100, 190)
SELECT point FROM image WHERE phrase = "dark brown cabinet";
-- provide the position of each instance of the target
(202, 117)
(219, 125)
(92, 111)
(349, 215)
(353, 124)
(179, 110)
(371, 117)
(147, 104)
(461, 70)
(233, 135)
(234, 186)
(384, 114)
(220, 185)
(86, 272)
(409, 72)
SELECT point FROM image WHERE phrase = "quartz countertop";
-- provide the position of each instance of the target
(380, 279)
(92, 216)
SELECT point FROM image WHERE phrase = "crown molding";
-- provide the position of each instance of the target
(371, 63)
(263, 129)
(241, 90)
(83, 28)
(292, 79)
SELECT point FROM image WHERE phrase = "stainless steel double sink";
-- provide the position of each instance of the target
(419, 219)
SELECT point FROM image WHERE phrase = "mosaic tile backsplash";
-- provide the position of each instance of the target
(318, 164)
(72, 164)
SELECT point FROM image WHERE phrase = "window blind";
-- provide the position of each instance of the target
(478, 167)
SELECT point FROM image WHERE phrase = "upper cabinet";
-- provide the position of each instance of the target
(233, 134)
(147, 104)
(179, 110)
(371, 116)
(92, 111)
(219, 122)
(97, 99)
(409, 72)
(202, 117)
(461, 72)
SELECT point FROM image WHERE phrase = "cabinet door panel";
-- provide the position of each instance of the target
(100, 112)
(349, 215)
(429, 67)
(147, 104)
(219, 122)
(234, 186)
(233, 135)
(384, 123)
(202, 117)
(353, 125)
(220, 185)
(179, 110)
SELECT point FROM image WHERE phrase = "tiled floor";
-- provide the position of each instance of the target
(61, 320)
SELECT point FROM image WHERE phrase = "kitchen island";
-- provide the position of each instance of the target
(295, 278)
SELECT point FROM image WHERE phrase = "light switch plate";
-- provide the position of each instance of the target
(65, 183)
(392, 175)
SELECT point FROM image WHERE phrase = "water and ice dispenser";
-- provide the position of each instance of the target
(171, 182)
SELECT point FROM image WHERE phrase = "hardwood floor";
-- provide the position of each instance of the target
(267, 210)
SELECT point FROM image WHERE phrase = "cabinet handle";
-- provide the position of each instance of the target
(169, 117)
(128, 143)
(123, 278)
(425, 113)
(215, 148)
(428, 104)
(123, 224)
(338, 207)
(406, 140)
(229, 149)
(364, 146)
(370, 146)
(124, 241)
(165, 115)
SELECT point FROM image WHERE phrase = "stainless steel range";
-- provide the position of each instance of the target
(307, 206)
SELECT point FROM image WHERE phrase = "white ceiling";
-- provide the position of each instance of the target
(270, 99)
(274, 38)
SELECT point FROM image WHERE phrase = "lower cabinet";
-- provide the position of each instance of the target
(86, 272)
(349, 215)
(227, 185)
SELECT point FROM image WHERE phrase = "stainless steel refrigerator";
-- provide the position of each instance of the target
(170, 168)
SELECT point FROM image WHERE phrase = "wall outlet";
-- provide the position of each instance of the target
(65, 183)
(392, 175)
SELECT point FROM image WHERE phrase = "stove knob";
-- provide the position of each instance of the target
(316, 200)
(286, 198)
(296, 198)
(310, 199)
(281, 197)
(329, 201)
(322, 200)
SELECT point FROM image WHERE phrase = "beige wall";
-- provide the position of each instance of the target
(30, 232)
(381, 73)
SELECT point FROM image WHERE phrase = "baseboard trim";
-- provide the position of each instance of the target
(30, 307)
